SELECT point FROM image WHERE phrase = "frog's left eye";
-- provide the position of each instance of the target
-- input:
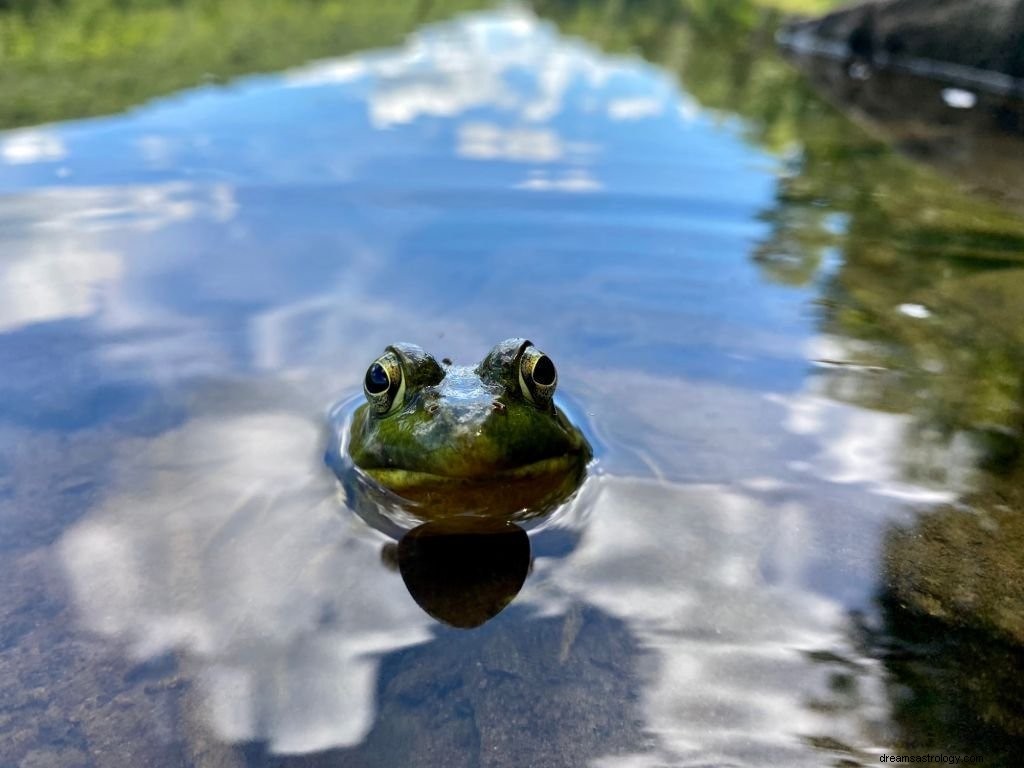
(537, 376)
(384, 384)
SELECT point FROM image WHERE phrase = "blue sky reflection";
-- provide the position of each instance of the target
(489, 178)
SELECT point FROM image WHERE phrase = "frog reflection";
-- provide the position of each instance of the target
(462, 571)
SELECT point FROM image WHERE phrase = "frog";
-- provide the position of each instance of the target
(487, 439)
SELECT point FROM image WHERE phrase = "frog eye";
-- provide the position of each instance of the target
(537, 376)
(384, 384)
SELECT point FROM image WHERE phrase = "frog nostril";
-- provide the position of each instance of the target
(498, 406)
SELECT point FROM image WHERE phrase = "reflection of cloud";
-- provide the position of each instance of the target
(571, 181)
(397, 103)
(635, 109)
(230, 546)
(96, 210)
(886, 452)
(32, 146)
(958, 98)
(486, 141)
(227, 544)
(688, 110)
(52, 281)
(56, 267)
(327, 72)
(917, 311)
(477, 62)
(353, 317)
(870, 448)
(732, 679)
(857, 445)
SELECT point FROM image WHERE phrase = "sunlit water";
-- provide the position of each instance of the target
(187, 289)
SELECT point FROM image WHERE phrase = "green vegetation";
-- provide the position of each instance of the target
(903, 233)
(62, 59)
(73, 58)
(923, 295)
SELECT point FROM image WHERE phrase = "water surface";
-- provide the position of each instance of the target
(797, 353)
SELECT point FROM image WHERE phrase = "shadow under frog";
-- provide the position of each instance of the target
(448, 459)
(460, 573)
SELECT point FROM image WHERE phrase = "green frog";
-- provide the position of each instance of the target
(451, 439)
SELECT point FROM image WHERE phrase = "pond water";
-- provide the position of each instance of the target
(798, 357)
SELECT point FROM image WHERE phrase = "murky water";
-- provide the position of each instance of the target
(797, 354)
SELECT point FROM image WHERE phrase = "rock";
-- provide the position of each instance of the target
(980, 147)
(980, 42)
(962, 564)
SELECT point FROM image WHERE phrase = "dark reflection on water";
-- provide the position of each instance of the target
(970, 137)
(523, 690)
(463, 572)
(801, 354)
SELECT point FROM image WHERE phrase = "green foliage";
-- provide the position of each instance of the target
(902, 233)
(74, 58)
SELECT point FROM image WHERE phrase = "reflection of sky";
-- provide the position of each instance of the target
(714, 581)
(489, 178)
(499, 87)
(240, 558)
(228, 545)
(273, 222)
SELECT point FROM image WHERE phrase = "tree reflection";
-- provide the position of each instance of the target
(920, 281)
(72, 58)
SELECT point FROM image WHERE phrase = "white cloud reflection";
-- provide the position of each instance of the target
(450, 68)
(731, 678)
(232, 548)
(510, 64)
(636, 108)
(228, 544)
(876, 449)
(57, 266)
(570, 181)
(487, 141)
(53, 281)
(32, 146)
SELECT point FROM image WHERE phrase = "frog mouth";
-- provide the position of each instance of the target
(543, 471)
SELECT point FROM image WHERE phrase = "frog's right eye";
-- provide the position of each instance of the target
(384, 384)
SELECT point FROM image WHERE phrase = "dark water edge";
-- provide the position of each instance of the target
(916, 280)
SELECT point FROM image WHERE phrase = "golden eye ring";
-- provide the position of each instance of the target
(537, 376)
(384, 384)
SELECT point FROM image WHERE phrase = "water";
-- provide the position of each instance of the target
(797, 354)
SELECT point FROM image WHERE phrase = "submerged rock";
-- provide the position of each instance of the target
(953, 605)
(962, 564)
(980, 42)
